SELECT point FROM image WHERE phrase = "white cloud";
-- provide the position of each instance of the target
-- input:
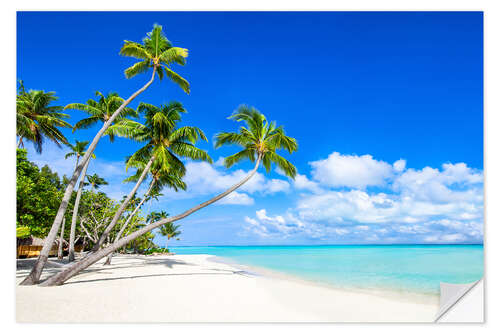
(351, 171)
(425, 205)
(219, 162)
(265, 225)
(399, 165)
(203, 178)
(301, 182)
(236, 198)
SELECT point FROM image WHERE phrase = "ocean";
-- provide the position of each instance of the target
(399, 268)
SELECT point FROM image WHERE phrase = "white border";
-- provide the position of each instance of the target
(492, 151)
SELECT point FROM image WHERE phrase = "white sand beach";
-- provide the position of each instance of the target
(194, 288)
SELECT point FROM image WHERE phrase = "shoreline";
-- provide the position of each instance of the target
(195, 288)
(393, 294)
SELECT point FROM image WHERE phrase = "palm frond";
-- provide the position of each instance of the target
(137, 68)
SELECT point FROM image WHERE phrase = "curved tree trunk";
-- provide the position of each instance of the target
(20, 142)
(122, 230)
(64, 275)
(123, 206)
(71, 254)
(61, 239)
(37, 269)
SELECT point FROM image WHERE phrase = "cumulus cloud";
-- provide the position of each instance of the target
(351, 171)
(267, 226)
(399, 165)
(203, 178)
(440, 205)
(301, 182)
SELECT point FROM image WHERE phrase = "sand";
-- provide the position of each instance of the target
(194, 288)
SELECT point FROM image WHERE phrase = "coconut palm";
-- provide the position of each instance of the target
(95, 181)
(160, 179)
(165, 144)
(156, 52)
(169, 230)
(260, 141)
(78, 150)
(101, 111)
(37, 120)
(155, 216)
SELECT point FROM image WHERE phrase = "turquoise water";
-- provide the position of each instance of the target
(408, 268)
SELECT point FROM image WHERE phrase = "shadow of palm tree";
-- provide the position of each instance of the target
(149, 275)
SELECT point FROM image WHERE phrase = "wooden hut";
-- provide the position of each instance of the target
(31, 246)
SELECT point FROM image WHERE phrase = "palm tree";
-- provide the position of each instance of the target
(155, 216)
(95, 181)
(169, 230)
(260, 141)
(155, 52)
(101, 111)
(165, 144)
(77, 150)
(160, 179)
(36, 119)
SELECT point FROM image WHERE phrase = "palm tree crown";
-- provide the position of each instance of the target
(156, 52)
(95, 181)
(101, 110)
(165, 142)
(37, 120)
(169, 230)
(259, 139)
(155, 216)
(160, 177)
(78, 150)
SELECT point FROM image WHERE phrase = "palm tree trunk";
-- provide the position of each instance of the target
(59, 278)
(61, 239)
(122, 230)
(123, 206)
(71, 254)
(36, 271)
(20, 142)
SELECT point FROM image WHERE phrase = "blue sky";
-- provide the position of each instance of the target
(387, 109)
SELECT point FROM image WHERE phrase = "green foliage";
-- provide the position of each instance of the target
(95, 181)
(259, 138)
(169, 230)
(38, 195)
(101, 110)
(23, 232)
(165, 141)
(156, 250)
(37, 119)
(156, 52)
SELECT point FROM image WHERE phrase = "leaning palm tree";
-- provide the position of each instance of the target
(169, 230)
(101, 110)
(160, 179)
(77, 150)
(37, 120)
(260, 141)
(165, 144)
(156, 52)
